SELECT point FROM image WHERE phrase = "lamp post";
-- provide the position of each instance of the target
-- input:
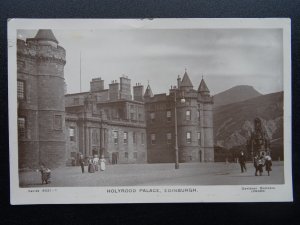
(176, 134)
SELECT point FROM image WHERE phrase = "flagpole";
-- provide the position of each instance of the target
(80, 72)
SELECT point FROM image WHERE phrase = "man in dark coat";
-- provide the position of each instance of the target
(81, 162)
(242, 161)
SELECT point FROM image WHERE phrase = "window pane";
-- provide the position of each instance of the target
(21, 126)
(125, 137)
(115, 133)
(134, 137)
(188, 115)
(72, 133)
(152, 116)
(169, 138)
(188, 137)
(199, 138)
(168, 115)
(57, 122)
(20, 89)
(153, 139)
(142, 138)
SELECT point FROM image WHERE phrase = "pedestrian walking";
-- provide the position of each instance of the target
(91, 168)
(102, 163)
(81, 162)
(255, 162)
(96, 162)
(260, 165)
(268, 163)
(242, 161)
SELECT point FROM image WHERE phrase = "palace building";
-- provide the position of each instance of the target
(54, 128)
(194, 123)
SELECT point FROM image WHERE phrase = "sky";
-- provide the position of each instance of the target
(224, 57)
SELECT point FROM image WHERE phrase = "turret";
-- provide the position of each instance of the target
(148, 93)
(186, 83)
(203, 89)
(41, 68)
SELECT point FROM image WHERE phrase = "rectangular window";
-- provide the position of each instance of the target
(95, 139)
(125, 137)
(198, 115)
(21, 89)
(199, 138)
(57, 122)
(153, 139)
(142, 138)
(140, 117)
(132, 116)
(115, 133)
(76, 101)
(152, 117)
(135, 155)
(72, 133)
(21, 126)
(188, 137)
(188, 115)
(169, 115)
(126, 155)
(169, 138)
(134, 137)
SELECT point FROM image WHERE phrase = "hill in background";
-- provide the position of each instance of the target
(235, 94)
(233, 123)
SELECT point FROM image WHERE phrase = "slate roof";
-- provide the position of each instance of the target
(186, 82)
(45, 35)
(203, 87)
(148, 92)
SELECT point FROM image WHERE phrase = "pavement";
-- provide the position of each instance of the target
(156, 175)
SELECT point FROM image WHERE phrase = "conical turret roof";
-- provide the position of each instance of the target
(203, 87)
(46, 35)
(148, 92)
(186, 82)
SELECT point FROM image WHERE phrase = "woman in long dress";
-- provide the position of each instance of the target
(91, 167)
(96, 162)
(102, 163)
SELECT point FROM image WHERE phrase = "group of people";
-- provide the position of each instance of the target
(93, 163)
(260, 161)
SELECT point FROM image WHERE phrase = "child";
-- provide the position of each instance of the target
(46, 174)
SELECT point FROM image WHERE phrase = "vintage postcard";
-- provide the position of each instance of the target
(149, 110)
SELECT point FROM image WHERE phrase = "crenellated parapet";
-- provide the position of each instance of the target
(34, 50)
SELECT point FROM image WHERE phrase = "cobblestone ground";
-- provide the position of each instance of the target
(156, 174)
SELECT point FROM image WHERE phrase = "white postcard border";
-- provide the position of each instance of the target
(207, 193)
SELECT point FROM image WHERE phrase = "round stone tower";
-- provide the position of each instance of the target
(46, 86)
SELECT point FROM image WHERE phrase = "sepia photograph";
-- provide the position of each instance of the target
(149, 110)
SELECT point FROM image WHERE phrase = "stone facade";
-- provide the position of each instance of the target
(41, 104)
(54, 127)
(194, 123)
(103, 122)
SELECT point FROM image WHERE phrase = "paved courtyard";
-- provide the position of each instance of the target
(156, 174)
